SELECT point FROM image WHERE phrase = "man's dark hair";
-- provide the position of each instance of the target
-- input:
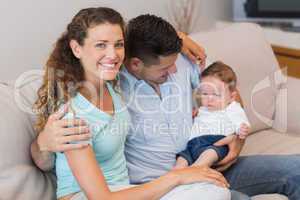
(149, 36)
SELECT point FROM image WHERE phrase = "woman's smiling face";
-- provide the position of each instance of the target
(102, 52)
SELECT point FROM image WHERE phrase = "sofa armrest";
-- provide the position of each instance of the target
(19, 177)
(287, 112)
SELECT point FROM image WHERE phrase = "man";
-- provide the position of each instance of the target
(157, 87)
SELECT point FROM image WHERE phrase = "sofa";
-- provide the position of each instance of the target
(271, 103)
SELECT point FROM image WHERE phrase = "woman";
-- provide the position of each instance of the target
(81, 73)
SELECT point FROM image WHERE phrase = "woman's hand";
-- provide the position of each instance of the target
(196, 174)
(58, 133)
(192, 50)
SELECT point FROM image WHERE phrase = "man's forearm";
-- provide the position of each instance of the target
(239, 98)
(43, 159)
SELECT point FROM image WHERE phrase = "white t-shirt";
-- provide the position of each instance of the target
(221, 122)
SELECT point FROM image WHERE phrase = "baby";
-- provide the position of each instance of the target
(219, 116)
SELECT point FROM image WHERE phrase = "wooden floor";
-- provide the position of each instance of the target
(289, 60)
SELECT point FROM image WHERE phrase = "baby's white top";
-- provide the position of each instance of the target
(220, 122)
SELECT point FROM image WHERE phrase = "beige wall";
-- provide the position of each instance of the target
(29, 28)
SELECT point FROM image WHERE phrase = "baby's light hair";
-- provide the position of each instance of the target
(223, 72)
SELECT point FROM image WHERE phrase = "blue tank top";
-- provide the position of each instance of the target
(108, 139)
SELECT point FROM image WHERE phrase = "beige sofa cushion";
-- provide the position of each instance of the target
(269, 197)
(244, 47)
(19, 177)
(272, 142)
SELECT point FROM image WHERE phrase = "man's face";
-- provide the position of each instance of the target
(158, 73)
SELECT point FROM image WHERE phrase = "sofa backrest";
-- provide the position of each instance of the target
(19, 177)
(244, 47)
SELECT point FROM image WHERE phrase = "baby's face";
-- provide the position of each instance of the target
(214, 93)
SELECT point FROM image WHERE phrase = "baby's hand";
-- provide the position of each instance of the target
(244, 131)
(181, 163)
(195, 112)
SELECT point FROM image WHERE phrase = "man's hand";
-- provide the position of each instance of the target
(58, 133)
(56, 137)
(235, 145)
(192, 50)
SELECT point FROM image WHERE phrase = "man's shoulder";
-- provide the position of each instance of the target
(182, 60)
(187, 71)
(127, 80)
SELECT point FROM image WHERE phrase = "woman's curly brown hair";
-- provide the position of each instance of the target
(64, 72)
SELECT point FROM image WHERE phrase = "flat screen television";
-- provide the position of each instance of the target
(283, 12)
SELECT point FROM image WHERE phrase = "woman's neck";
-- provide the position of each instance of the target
(101, 98)
(94, 84)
